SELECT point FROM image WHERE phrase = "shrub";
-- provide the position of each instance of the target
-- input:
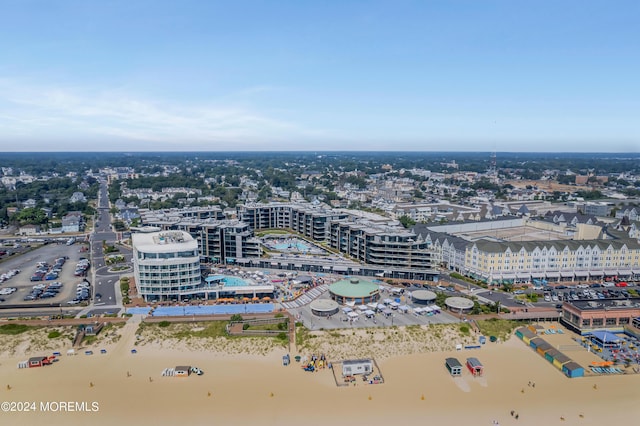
(164, 324)
(464, 329)
(245, 326)
(236, 317)
(13, 329)
(54, 334)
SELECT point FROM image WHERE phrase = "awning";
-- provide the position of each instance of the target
(326, 267)
(355, 269)
(537, 275)
(624, 272)
(522, 276)
(340, 268)
(274, 263)
(597, 273)
(297, 265)
(608, 273)
(581, 273)
(553, 274)
(509, 276)
(566, 274)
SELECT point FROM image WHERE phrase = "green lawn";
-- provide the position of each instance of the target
(498, 327)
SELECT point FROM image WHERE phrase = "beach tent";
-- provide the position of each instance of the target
(387, 312)
(352, 315)
(381, 306)
(347, 309)
(373, 305)
(417, 311)
(387, 301)
(394, 305)
(403, 308)
(369, 313)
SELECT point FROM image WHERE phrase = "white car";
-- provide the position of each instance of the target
(608, 284)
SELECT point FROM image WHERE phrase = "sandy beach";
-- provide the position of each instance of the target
(252, 387)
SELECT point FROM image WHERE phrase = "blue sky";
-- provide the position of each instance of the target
(319, 75)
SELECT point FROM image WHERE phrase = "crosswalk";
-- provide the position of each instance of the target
(306, 298)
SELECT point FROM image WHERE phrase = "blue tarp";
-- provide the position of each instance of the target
(166, 311)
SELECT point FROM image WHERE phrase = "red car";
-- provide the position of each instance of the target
(621, 284)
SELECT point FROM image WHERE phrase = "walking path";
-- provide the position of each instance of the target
(306, 298)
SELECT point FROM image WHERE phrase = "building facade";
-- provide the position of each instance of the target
(585, 316)
(565, 260)
(166, 265)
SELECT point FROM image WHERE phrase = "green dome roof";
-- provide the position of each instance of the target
(353, 287)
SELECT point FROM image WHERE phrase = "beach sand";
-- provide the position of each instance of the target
(248, 388)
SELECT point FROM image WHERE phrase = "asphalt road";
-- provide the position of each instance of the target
(106, 283)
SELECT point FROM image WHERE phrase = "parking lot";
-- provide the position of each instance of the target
(27, 264)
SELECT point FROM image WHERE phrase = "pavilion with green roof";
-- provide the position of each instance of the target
(354, 291)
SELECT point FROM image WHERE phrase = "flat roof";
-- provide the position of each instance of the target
(354, 287)
(423, 295)
(163, 242)
(456, 302)
(609, 304)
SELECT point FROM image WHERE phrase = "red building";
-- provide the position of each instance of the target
(39, 361)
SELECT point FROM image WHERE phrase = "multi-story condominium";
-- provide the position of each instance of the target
(219, 240)
(166, 265)
(310, 220)
(565, 260)
(364, 237)
(382, 245)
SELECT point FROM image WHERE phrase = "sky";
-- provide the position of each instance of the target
(476, 75)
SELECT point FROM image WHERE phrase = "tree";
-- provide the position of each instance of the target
(406, 221)
(31, 216)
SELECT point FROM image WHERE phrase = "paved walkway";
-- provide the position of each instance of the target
(306, 298)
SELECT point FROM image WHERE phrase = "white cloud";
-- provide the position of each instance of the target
(68, 113)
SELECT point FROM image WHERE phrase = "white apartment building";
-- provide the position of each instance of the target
(166, 265)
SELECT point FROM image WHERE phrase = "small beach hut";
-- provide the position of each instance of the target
(454, 366)
(357, 366)
(550, 354)
(560, 359)
(543, 347)
(38, 361)
(475, 366)
(572, 369)
(182, 371)
(534, 342)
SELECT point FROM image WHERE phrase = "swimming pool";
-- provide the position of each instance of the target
(234, 282)
(295, 245)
